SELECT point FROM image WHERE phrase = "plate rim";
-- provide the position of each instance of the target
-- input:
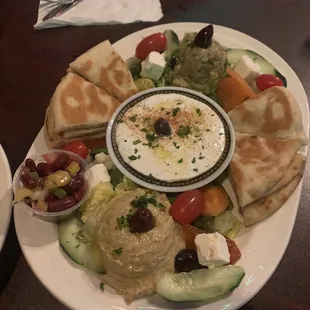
(7, 167)
(297, 191)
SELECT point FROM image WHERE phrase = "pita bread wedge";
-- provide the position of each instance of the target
(104, 67)
(78, 109)
(274, 113)
(259, 164)
(266, 206)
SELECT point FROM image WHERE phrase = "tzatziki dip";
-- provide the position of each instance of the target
(170, 137)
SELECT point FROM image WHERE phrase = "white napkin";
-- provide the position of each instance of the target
(98, 12)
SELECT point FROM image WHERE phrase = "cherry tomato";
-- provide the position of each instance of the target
(153, 43)
(97, 143)
(266, 81)
(187, 207)
(78, 147)
(190, 232)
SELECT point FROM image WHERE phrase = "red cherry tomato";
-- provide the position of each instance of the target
(78, 147)
(187, 207)
(266, 81)
(153, 43)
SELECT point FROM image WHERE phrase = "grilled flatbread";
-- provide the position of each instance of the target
(104, 67)
(268, 205)
(259, 164)
(274, 113)
(78, 109)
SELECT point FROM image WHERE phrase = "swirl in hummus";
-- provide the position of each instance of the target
(134, 260)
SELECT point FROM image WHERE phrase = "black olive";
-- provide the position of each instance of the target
(142, 220)
(162, 127)
(186, 261)
(173, 62)
(204, 37)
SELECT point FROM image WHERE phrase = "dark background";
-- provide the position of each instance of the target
(32, 63)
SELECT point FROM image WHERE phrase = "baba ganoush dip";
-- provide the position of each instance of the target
(193, 143)
(134, 260)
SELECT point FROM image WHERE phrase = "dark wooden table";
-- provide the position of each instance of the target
(32, 63)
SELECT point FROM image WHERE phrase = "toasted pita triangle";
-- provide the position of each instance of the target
(266, 206)
(104, 67)
(274, 113)
(259, 164)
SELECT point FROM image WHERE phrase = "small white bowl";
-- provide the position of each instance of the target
(150, 182)
(60, 215)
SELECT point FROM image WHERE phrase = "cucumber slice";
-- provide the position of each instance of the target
(173, 44)
(235, 54)
(77, 247)
(198, 285)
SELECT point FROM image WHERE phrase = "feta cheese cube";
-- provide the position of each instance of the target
(212, 250)
(247, 69)
(99, 174)
(100, 158)
(153, 66)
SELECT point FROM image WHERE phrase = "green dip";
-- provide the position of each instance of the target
(198, 68)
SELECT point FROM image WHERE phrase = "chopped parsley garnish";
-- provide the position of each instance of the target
(183, 131)
(212, 114)
(102, 286)
(203, 147)
(175, 111)
(136, 151)
(133, 118)
(147, 118)
(152, 138)
(198, 112)
(136, 142)
(143, 201)
(144, 130)
(194, 160)
(208, 130)
(201, 157)
(123, 221)
(179, 103)
(162, 109)
(180, 161)
(175, 145)
(119, 121)
(125, 140)
(133, 157)
(117, 251)
(196, 170)
(221, 134)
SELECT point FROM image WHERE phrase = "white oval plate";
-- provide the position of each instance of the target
(262, 246)
(5, 196)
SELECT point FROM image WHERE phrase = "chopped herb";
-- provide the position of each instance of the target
(125, 140)
(117, 251)
(151, 138)
(221, 134)
(175, 111)
(133, 157)
(198, 112)
(119, 121)
(102, 286)
(208, 130)
(144, 130)
(203, 147)
(180, 161)
(162, 109)
(183, 131)
(136, 142)
(196, 170)
(201, 157)
(143, 201)
(147, 118)
(175, 145)
(194, 160)
(212, 114)
(122, 221)
(179, 103)
(136, 151)
(133, 118)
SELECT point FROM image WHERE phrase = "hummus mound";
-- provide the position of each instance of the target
(133, 261)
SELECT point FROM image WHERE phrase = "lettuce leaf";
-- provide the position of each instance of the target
(125, 185)
(227, 224)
